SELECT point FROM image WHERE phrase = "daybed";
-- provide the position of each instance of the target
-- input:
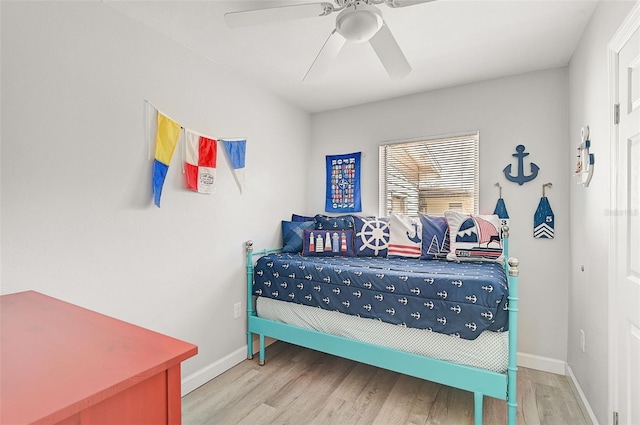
(415, 331)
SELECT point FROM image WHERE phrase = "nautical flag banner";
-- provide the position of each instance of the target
(236, 149)
(166, 140)
(200, 162)
(543, 220)
(343, 183)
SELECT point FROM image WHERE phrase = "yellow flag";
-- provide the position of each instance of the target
(166, 140)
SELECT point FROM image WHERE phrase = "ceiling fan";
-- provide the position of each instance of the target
(358, 21)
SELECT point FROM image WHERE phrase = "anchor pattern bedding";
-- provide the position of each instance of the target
(460, 299)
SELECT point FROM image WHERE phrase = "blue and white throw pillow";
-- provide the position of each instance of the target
(341, 222)
(292, 233)
(474, 237)
(371, 236)
(298, 218)
(435, 237)
(405, 236)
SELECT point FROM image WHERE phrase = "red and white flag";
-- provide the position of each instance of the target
(200, 162)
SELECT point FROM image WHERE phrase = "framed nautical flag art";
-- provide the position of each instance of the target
(343, 183)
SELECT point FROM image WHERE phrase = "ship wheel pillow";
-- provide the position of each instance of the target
(371, 236)
(474, 237)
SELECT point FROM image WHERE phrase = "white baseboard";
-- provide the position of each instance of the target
(544, 364)
(207, 373)
(582, 400)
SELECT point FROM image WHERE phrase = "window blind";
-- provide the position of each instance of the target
(429, 176)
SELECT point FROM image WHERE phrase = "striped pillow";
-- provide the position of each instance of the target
(405, 236)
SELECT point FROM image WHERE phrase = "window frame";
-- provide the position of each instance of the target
(384, 197)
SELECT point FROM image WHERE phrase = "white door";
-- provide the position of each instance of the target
(626, 230)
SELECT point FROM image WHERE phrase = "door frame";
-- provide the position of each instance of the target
(622, 35)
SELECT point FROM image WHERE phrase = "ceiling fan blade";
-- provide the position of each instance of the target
(404, 3)
(390, 54)
(245, 18)
(327, 54)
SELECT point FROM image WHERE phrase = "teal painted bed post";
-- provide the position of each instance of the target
(512, 367)
(478, 398)
(511, 269)
(250, 311)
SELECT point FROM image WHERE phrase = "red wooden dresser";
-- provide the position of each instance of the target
(63, 364)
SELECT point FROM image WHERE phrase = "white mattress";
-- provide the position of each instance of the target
(489, 351)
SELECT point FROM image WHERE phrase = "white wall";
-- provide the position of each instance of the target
(529, 109)
(589, 243)
(78, 223)
(77, 217)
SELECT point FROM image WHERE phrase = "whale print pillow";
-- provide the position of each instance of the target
(405, 236)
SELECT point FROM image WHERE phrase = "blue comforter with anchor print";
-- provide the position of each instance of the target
(460, 299)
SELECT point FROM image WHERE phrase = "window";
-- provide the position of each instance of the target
(429, 176)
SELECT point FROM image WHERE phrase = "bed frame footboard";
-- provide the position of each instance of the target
(479, 381)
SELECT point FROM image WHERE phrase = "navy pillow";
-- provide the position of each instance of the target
(292, 233)
(342, 222)
(328, 243)
(299, 218)
(371, 236)
(435, 237)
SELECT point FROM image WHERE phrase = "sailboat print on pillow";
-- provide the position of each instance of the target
(474, 237)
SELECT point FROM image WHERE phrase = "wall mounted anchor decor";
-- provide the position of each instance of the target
(521, 178)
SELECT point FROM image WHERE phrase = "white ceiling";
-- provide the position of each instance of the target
(447, 43)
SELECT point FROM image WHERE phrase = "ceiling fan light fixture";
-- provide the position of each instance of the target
(359, 25)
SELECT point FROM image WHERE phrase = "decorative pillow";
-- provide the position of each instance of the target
(341, 222)
(292, 233)
(299, 218)
(371, 236)
(328, 243)
(474, 237)
(405, 236)
(435, 237)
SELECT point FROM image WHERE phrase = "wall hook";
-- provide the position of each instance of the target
(544, 187)
(499, 188)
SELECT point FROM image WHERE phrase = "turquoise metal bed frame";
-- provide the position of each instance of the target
(479, 381)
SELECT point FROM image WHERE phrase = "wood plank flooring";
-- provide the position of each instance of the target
(300, 386)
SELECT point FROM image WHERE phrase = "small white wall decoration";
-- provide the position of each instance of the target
(586, 160)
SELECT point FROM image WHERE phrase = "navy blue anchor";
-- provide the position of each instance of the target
(415, 238)
(520, 178)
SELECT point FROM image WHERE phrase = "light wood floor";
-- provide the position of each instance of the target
(299, 386)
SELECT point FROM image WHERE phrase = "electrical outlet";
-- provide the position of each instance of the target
(582, 340)
(237, 310)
